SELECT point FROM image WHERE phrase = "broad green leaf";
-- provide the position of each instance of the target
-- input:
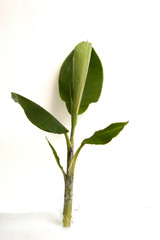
(93, 83)
(39, 116)
(56, 157)
(106, 135)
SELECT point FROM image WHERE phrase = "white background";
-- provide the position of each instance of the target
(117, 186)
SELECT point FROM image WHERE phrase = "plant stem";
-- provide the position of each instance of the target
(68, 194)
(67, 210)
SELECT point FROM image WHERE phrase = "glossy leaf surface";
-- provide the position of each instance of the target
(39, 116)
(106, 135)
(93, 83)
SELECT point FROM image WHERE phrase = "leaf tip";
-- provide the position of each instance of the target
(14, 96)
(126, 122)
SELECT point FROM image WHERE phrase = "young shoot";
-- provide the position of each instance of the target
(80, 84)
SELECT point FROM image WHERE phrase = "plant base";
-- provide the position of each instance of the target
(67, 213)
(67, 210)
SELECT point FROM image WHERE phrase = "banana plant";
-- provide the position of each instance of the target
(80, 84)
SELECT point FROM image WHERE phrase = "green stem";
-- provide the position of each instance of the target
(68, 142)
(67, 210)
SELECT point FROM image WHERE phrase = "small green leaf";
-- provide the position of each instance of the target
(39, 116)
(56, 157)
(106, 135)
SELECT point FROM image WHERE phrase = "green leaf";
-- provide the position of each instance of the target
(39, 116)
(65, 80)
(56, 157)
(81, 60)
(94, 82)
(106, 135)
(94, 78)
